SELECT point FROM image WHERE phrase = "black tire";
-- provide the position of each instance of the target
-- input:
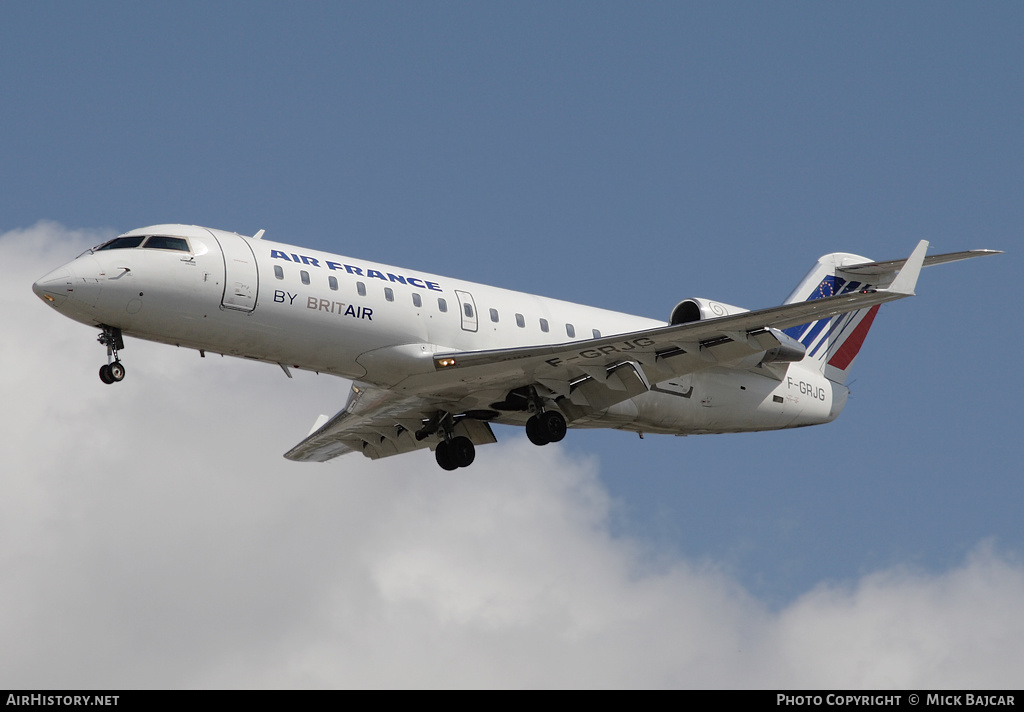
(116, 371)
(443, 455)
(535, 431)
(462, 450)
(553, 425)
(105, 374)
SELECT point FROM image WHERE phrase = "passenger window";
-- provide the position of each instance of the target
(279, 271)
(597, 334)
(544, 325)
(494, 315)
(304, 276)
(416, 301)
(570, 331)
(333, 282)
(361, 288)
(467, 308)
(442, 305)
(160, 242)
(520, 321)
(389, 294)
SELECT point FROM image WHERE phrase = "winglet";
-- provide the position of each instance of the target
(906, 279)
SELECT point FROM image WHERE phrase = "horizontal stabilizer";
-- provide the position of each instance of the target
(878, 268)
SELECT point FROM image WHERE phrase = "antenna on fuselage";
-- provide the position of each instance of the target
(259, 235)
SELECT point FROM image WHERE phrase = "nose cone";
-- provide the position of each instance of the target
(54, 287)
(73, 289)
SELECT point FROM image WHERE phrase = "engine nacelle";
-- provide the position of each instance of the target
(697, 309)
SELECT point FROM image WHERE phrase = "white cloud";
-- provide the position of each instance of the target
(152, 535)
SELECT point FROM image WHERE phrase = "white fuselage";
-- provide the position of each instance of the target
(380, 324)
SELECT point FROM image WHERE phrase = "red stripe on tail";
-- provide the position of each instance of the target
(851, 347)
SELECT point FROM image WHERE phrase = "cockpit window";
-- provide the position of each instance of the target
(157, 242)
(120, 243)
(160, 242)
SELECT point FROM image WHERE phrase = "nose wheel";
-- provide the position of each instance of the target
(113, 370)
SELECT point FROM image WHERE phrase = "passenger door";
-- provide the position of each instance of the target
(241, 280)
(468, 309)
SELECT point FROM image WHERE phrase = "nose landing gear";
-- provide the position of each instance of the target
(113, 370)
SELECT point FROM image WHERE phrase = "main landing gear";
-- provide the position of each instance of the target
(546, 427)
(113, 370)
(455, 453)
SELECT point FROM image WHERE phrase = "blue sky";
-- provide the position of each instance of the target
(617, 155)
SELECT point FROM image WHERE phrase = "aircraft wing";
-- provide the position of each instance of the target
(597, 373)
(653, 342)
(378, 422)
(654, 347)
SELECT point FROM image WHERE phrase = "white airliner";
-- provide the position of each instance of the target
(435, 360)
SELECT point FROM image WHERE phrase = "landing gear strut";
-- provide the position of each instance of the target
(113, 370)
(546, 427)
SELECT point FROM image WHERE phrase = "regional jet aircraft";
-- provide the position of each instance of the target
(434, 361)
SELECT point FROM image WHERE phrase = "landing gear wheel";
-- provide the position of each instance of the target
(116, 371)
(455, 453)
(553, 425)
(443, 455)
(111, 338)
(547, 427)
(462, 451)
(535, 431)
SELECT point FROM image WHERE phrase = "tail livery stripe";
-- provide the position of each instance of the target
(808, 333)
(839, 325)
(826, 288)
(851, 347)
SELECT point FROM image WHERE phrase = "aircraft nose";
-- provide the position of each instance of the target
(53, 288)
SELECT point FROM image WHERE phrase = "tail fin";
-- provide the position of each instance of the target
(833, 343)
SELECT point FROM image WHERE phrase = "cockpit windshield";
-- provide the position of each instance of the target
(156, 242)
(120, 243)
(162, 242)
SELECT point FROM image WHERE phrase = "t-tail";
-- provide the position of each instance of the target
(832, 344)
